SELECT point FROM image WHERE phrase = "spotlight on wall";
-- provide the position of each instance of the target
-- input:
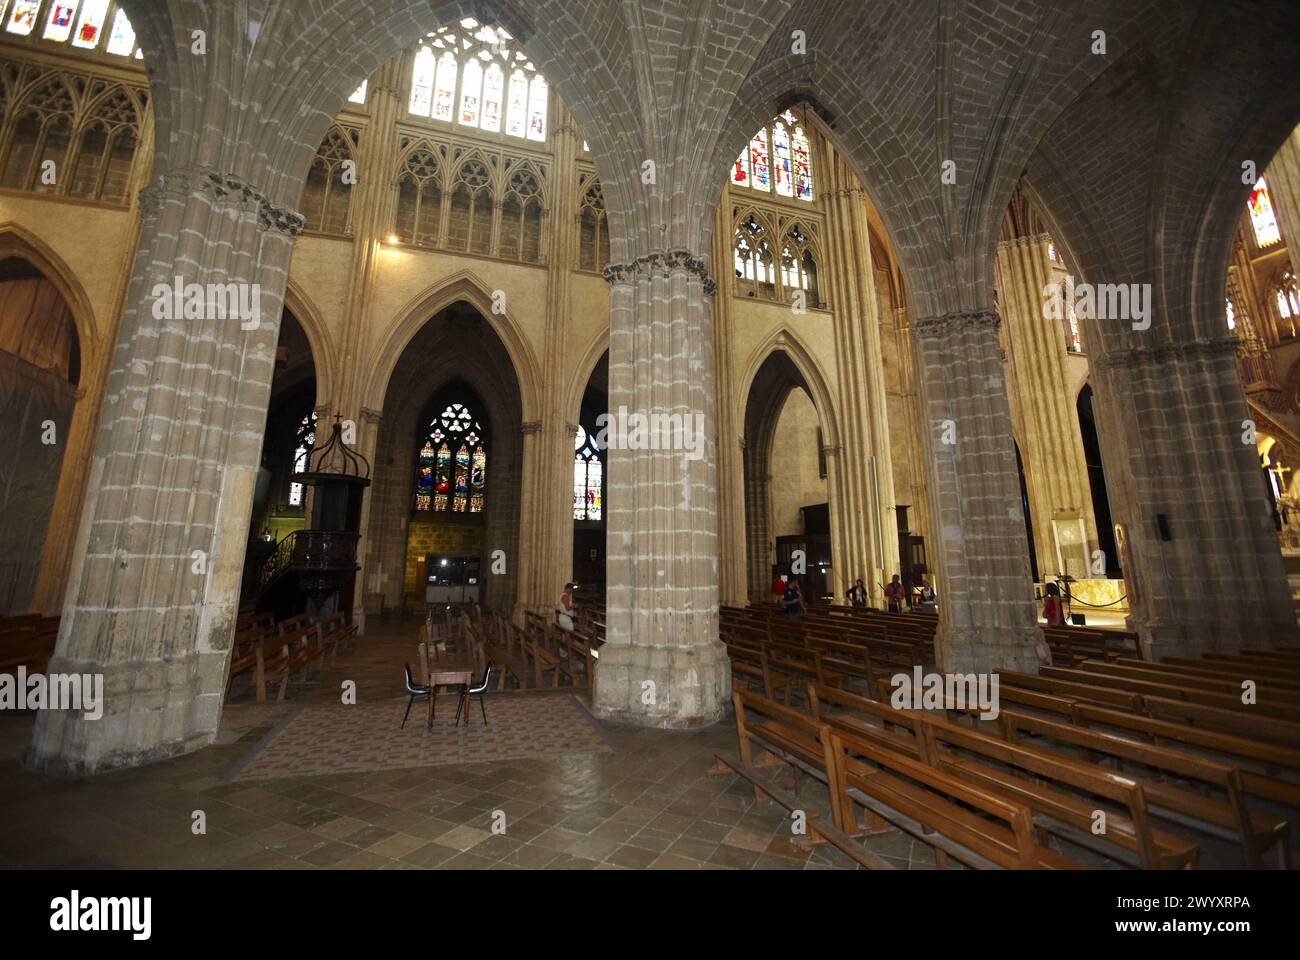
(393, 239)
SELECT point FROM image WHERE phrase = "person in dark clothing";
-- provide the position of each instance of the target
(793, 599)
(857, 594)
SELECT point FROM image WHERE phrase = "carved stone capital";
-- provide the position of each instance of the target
(222, 188)
(1175, 352)
(372, 417)
(661, 262)
(950, 323)
(529, 427)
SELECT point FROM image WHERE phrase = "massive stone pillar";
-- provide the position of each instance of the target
(864, 463)
(987, 618)
(1283, 179)
(662, 664)
(1042, 404)
(1203, 566)
(154, 590)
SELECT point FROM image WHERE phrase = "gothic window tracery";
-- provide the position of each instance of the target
(778, 160)
(327, 194)
(476, 75)
(451, 467)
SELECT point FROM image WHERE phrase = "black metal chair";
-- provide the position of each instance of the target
(415, 690)
(470, 691)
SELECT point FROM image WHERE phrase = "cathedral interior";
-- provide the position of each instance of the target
(579, 359)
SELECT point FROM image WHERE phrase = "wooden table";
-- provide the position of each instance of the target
(447, 678)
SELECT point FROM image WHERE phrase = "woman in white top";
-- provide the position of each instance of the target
(565, 610)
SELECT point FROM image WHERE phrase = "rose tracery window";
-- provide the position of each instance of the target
(451, 468)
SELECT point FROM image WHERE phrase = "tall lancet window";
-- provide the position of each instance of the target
(451, 467)
(778, 160)
(1262, 217)
(304, 440)
(588, 477)
(477, 76)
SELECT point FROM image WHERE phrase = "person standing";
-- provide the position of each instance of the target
(566, 609)
(894, 593)
(857, 594)
(793, 599)
(1053, 608)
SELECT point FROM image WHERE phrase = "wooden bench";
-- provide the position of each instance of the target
(1270, 729)
(1228, 818)
(1265, 767)
(1274, 706)
(818, 831)
(974, 826)
(1063, 793)
(786, 735)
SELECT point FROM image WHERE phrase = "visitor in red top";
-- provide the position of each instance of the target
(1053, 608)
(894, 593)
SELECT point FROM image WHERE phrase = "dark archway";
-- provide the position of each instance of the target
(40, 367)
(1097, 483)
(455, 358)
(590, 489)
(1029, 520)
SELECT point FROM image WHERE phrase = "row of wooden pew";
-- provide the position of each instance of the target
(1135, 769)
(266, 651)
(27, 641)
(538, 655)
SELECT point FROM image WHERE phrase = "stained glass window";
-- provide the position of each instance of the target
(740, 172)
(451, 468)
(493, 88)
(91, 24)
(1288, 297)
(803, 183)
(758, 163)
(781, 173)
(517, 106)
(471, 90)
(588, 477)
(537, 96)
(1232, 315)
(303, 443)
(121, 38)
(482, 80)
(58, 26)
(1262, 217)
(787, 167)
(359, 95)
(22, 19)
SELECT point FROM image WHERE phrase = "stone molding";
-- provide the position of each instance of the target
(1169, 353)
(530, 427)
(661, 261)
(953, 322)
(223, 188)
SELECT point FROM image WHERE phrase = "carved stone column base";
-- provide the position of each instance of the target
(691, 685)
(152, 710)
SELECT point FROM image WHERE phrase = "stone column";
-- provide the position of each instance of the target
(1217, 582)
(662, 664)
(1042, 400)
(154, 590)
(546, 561)
(733, 575)
(870, 528)
(987, 618)
(1283, 179)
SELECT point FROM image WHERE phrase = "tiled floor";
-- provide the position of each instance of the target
(648, 803)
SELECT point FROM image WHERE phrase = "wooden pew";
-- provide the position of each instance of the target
(935, 808)
(787, 735)
(1265, 767)
(1230, 817)
(1275, 706)
(1063, 792)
